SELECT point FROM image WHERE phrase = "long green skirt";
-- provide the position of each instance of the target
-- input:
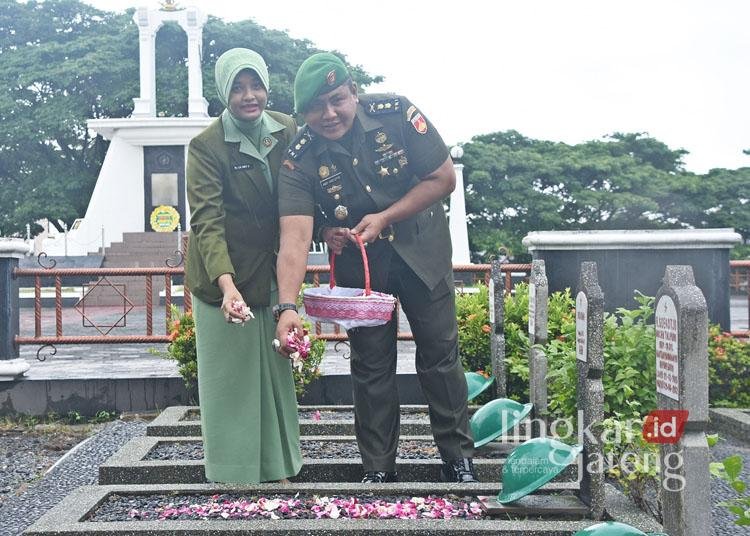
(247, 400)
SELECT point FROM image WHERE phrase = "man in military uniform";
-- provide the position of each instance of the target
(374, 166)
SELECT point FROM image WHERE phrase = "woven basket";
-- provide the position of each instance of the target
(349, 307)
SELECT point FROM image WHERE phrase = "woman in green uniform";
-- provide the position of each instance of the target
(246, 390)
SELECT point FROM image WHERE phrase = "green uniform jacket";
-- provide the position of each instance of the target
(393, 147)
(234, 219)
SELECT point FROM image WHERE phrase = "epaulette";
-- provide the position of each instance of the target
(383, 106)
(300, 143)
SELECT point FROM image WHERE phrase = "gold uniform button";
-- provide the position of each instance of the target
(355, 162)
(367, 187)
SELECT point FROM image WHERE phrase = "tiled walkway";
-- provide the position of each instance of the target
(136, 360)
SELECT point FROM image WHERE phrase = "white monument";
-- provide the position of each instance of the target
(457, 214)
(145, 165)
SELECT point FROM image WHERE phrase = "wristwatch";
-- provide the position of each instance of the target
(281, 307)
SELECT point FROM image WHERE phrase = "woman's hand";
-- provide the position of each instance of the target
(336, 238)
(233, 304)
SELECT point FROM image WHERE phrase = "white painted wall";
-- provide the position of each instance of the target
(117, 203)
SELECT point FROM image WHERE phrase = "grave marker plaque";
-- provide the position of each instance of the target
(582, 312)
(667, 346)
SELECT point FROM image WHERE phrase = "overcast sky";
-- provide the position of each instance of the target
(562, 70)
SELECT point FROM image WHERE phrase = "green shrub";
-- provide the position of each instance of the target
(632, 462)
(629, 354)
(516, 319)
(730, 471)
(472, 315)
(182, 349)
(729, 369)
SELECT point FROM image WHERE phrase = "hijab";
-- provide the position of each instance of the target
(228, 66)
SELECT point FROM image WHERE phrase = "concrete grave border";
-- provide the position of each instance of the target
(171, 423)
(67, 518)
(734, 422)
(127, 466)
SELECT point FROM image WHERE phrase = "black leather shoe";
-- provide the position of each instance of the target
(377, 477)
(461, 471)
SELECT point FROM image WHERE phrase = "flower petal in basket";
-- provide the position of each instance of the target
(348, 307)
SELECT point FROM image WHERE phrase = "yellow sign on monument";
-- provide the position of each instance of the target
(164, 219)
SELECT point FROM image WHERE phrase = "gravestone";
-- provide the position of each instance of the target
(681, 322)
(497, 327)
(590, 367)
(538, 294)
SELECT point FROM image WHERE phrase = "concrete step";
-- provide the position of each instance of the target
(141, 250)
(138, 259)
(179, 421)
(133, 464)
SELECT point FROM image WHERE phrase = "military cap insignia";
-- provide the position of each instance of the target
(300, 144)
(383, 106)
(331, 77)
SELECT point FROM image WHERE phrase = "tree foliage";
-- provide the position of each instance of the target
(516, 185)
(63, 62)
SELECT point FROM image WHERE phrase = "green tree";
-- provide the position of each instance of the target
(64, 62)
(516, 185)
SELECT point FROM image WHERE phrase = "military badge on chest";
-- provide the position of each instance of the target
(388, 159)
(331, 181)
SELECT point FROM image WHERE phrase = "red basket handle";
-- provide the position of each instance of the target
(366, 263)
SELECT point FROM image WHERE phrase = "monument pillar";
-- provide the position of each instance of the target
(197, 105)
(145, 105)
(149, 21)
(457, 214)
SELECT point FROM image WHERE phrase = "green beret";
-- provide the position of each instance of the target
(318, 74)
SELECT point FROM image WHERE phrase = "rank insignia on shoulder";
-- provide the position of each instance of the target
(410, 112)
(383, 106)
(300, 143)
